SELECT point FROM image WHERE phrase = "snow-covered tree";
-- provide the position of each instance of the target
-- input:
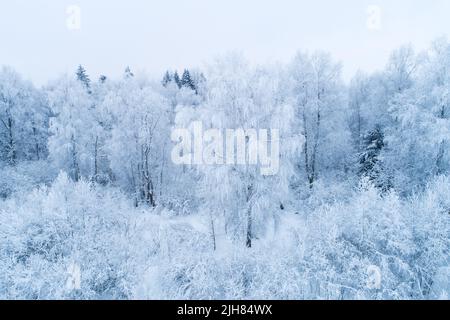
(320, 111)
(138, 138)
(74, 131)
(128, 73)
(242, 98)
(359, 96)
(187, 81)
(418, 129)
(166, 79)
(370, 165)
(176, 79)
(83, 77)
(23, 119)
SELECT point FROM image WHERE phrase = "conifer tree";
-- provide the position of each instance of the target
(83, 77)
(370, 165)
(166, 79)
(186, 80)
(102, 79)
(128, 73)
(177, 79)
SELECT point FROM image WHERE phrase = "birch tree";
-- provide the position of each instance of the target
(23, 119)
(315, 89)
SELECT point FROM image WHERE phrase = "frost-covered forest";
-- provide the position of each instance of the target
(359, 209)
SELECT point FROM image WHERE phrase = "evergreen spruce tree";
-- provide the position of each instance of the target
(177, 80)
(370, 166)
(83, 77)
(186, 80)
(167, 79)
(128, 73)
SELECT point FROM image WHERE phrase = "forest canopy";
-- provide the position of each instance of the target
(87, 183)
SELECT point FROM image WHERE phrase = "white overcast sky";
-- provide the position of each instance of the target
(155, 35)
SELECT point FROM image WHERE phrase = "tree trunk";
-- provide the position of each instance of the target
(213, 231)
(75, 168)
(249, 228)
(440, 156)
(439, 159)
(249, 233)
(305, 133)
(12, 154)
(96, 159)
(313, 172)
(38, 156)
(147, 187)
(358, 109)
